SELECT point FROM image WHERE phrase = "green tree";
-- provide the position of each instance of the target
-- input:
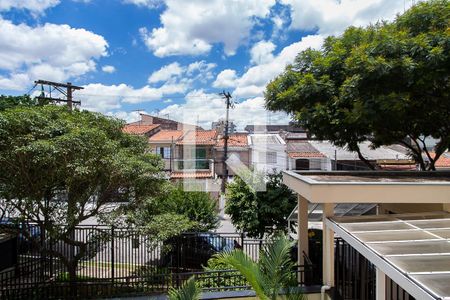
(387, 83)
(260, 212)
(61, 167)
(185, 210)
(13, 101)
(272, 277)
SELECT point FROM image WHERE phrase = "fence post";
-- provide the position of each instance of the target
(242, 240)
(112, 254)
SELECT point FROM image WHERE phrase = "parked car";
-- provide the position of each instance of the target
(192, 251)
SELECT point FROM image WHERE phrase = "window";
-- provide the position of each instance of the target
(271, 157)
(165, 152)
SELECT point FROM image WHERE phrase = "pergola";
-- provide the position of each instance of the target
(332, 188)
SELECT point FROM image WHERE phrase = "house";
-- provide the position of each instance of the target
(443, 163)
(140, 129)
(304, 156)
(194, 155)
(269, 128)
(165, 123)
(393, 255)
(163, 143)
(238, 147)
(341, 159)
(267, 152)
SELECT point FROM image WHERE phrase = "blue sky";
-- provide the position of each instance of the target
(170, 57)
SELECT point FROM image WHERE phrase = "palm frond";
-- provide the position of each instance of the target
(248, 268)
(276, 263)
(189, 291)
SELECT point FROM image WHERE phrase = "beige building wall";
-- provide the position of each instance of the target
(244, 156)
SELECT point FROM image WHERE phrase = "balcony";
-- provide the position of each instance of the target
(193, 165)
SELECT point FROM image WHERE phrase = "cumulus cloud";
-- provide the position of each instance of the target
(175, 73)
(205, 108)
(253, 82)
(332, 17)
(226, 79)
(165, 73)
(261, 52)
(36, 7)
(104, 98)
(192, 27)
(29, 53)
(108, 69)
(128, 117)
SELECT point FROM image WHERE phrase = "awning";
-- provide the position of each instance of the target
(412, 249)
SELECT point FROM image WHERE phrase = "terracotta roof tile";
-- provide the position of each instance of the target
(235, 140)
(139, 129)
(443, 161)
(166, 135)
(305, 155)
(196, 174)
(199, 137)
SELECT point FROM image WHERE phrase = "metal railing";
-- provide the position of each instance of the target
(192, 164)
(123, 261)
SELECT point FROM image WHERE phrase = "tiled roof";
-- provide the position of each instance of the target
(196, 174)
(166, 135)
(139, 129)
(443, 161)
(234, 140)
(405, 167)
(199, 137)
(301, 147)
(305, 155)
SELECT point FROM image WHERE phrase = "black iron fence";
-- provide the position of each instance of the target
(119, 261)
(355, 276)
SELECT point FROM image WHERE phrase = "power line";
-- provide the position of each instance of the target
(68, 92)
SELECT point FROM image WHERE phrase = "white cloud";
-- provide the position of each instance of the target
(192, 27)
(128, 117)
(108, 69)
(36, 7)
(40, 52)
(166, 73)
(261, 52)
(253, 82)
(332, 17)
(146, 3)
(206, 108)
(104, 98)
(226, 79)
(174, 73)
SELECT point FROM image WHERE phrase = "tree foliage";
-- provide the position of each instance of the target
(61, 167)
(260, 212)
(387, 83)
(13, 101)
(181, 211)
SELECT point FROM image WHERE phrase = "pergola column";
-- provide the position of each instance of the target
(380, 285)
(303, 243)
(328, 246)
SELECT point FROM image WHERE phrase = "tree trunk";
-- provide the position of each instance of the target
(72, 271)
(364, 160)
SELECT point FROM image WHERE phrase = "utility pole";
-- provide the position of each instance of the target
(69, 88)
(229, 104)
